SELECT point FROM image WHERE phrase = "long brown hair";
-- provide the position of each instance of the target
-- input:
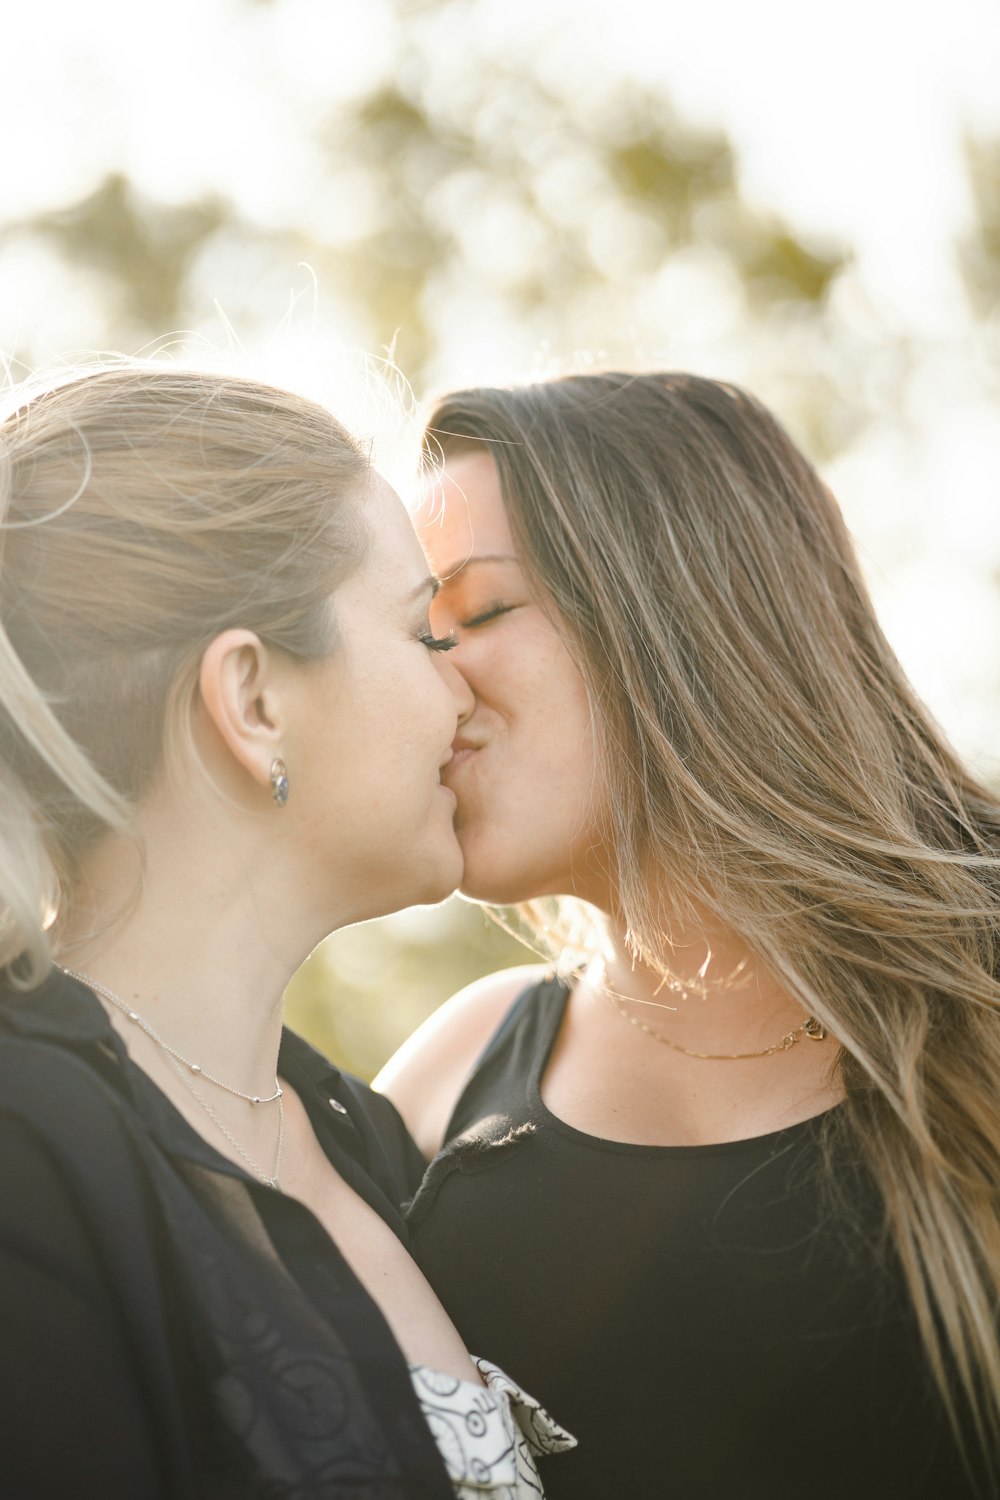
(142, 511)
(768, 760)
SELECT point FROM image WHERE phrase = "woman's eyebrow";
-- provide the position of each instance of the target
(447, 574)
(430, 582)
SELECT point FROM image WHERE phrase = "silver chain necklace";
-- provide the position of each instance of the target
(184, 1067)
(257, 1171)
(154, 1036)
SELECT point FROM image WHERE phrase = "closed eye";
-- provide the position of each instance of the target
(438, 642)
(492, 612)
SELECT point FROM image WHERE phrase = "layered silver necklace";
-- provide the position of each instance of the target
(187, 1071)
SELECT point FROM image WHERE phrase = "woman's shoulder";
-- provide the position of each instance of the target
(426, 1076)
(58, 1053)
(45, 1084)
(70, 1169)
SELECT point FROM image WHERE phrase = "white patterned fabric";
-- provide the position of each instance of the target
(489, 1435)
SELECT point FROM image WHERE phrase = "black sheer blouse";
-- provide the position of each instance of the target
(169, 1326)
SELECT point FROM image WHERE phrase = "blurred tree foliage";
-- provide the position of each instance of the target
(980, 254)
(142, 248)
(366, 988)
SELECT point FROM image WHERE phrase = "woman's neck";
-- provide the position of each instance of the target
(712, 994)
(723, 1074)
(200, 940)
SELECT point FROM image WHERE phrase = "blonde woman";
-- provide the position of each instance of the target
(223, 719)
(727, 1195)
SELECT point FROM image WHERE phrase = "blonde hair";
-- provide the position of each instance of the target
(142, 511)
(768, 761)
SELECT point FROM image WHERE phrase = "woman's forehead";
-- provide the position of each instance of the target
(462, 515)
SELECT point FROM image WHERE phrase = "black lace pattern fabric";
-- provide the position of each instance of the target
(143, 1274)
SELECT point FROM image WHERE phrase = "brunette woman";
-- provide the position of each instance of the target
(725, 1189)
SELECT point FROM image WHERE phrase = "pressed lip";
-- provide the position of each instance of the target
(461, 755)
(442, 785)
(462, 747)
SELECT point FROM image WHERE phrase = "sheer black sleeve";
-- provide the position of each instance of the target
(75, 1417)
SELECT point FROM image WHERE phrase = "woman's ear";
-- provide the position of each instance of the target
(240, 695)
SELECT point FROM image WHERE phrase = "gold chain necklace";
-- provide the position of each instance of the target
(811, 1028)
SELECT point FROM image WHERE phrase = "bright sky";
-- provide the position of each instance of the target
(848, 119)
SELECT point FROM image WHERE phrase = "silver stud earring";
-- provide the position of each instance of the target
(279, 782)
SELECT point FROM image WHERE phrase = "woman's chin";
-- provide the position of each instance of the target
(493, 883)
(492, 890)
(497, 874)
(444, 878)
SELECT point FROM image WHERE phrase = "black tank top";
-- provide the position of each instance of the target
(700, 1317)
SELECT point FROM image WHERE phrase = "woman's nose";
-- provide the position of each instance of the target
(461, 692)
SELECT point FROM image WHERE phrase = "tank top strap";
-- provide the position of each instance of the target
(496, 1112)
(511, 1065)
